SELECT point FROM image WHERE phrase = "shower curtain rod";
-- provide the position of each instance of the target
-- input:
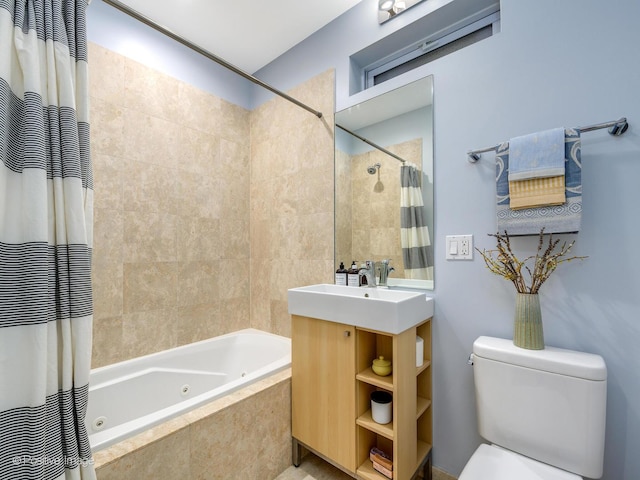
(616, 127)
(147, 21)
(382, 149)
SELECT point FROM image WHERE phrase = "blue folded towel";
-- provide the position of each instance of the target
(565, 218)
(537, 155)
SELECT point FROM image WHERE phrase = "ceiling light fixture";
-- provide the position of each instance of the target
(386, 5)
(388, 9)
(399, 6)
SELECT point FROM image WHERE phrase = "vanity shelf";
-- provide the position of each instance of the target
(424, 366)
(371, 378)
(423, 405)
(408, 437)
(365, 420)
(333, 357)
(367, 472)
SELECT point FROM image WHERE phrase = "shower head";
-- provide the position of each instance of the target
(373, 169)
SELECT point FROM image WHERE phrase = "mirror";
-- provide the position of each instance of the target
(367, 180)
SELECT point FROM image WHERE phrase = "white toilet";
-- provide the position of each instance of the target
(542, 410)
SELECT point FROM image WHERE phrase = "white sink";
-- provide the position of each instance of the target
(381, 309)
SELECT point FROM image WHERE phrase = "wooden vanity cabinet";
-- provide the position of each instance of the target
(323, 369)
(332, 382)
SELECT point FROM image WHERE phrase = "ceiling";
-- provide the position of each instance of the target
(246, 33)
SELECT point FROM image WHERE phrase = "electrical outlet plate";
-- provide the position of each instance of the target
(459, 247)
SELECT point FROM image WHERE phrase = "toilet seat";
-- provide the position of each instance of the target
(496, 463)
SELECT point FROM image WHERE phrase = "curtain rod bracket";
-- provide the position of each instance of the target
(619, 128)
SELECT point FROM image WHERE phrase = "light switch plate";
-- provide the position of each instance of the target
(459, 247)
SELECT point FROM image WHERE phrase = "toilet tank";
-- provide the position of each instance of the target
(548, 404)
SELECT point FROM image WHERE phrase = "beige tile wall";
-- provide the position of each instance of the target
(205, 213)
(344, 225)
(171, 233)
(292, 178)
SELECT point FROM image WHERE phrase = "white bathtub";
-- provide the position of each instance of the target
(129, 397)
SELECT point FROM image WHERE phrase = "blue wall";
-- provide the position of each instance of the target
(568, 63)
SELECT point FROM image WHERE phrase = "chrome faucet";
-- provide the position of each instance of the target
(384, 270)
(369, 272)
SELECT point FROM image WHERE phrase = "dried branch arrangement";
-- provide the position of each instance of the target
(502, 261)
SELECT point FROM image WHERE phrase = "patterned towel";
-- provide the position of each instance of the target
(563, 218)
(537, 155)
(536, 192)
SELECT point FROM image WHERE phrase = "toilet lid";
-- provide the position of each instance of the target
(496, 463)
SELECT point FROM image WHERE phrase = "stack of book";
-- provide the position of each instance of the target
(382, 463)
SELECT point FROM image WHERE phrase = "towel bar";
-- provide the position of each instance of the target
(616, 127)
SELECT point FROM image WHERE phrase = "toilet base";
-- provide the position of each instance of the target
(496, 463)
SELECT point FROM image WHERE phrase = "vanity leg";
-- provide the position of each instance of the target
(295, 452)
(426, 468)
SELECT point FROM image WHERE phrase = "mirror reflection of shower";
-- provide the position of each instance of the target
(373, 169)
(386, 129)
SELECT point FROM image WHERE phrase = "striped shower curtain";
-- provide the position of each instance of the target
(46, 209)
(414, 232)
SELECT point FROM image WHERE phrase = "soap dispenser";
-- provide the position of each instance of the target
(353, 279)
(341, 275)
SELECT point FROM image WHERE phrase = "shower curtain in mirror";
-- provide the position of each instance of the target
(46, 210)
(414, 231)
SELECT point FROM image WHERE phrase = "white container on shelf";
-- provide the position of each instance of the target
(419, 351)
(381, 403)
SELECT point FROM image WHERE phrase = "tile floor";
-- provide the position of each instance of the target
(313, 468)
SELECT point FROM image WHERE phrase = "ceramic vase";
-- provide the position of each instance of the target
(527, 325)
